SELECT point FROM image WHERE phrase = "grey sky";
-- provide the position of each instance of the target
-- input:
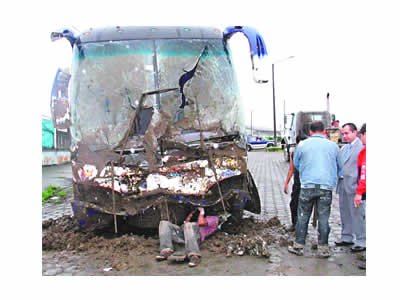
(327, 40)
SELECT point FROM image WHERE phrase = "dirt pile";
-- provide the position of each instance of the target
(253, 237)
(64, 234)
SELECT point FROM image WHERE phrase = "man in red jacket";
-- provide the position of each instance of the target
(361, 190)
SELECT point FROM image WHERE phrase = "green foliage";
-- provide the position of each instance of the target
(53, 191)
(270, 137)
(274, 149)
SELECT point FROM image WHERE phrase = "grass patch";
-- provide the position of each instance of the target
(274, 149)
(53, 191)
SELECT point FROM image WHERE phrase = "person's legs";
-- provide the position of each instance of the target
(345, 216)
(165, 235)
(168, 233)
(324, 211)
(303, 214)
(294, 203)
(192, 238)
(359, 226)
(192, 243)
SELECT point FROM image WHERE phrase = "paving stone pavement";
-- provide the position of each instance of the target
(269, 170)
(56, 210)
(60, 176)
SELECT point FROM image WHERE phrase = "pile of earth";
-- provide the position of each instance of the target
(252, 237)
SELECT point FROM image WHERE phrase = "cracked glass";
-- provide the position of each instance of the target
(195, 80)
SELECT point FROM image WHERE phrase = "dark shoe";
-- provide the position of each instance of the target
(343, 243)
(358, 249)
(194, 260)
(362, 265)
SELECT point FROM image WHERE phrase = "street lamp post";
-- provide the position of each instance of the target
(273, 94)
(251, 123)
(273, 101)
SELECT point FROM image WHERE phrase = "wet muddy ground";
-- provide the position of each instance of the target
(259, 247)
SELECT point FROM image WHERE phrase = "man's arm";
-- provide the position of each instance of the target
(289, 175)
(362, 181)
(297, 156)
(339, 162)
(202, 221)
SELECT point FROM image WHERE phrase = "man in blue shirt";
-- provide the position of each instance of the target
(319, 163)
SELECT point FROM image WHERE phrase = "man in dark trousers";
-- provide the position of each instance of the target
(294, 202)
(319, 164)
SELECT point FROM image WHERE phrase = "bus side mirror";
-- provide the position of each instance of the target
(333, 117)
(64, 33)
(257, 46)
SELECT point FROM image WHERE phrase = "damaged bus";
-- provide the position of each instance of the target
(157, 124)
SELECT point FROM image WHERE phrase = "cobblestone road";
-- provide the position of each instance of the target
(269, 171)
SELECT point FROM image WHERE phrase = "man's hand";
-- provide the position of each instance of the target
(357, 200)
(285, 188)
(202, 221)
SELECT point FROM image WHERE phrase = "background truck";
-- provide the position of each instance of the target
(298, 124)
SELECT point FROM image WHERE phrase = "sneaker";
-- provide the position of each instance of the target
(358, 248)
(297, 249)
(164, 254)
(194, 260)
(323, 251)
(362, 265)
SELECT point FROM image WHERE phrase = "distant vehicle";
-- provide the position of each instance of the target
(156, 124)
(257, 142)
(299, 125)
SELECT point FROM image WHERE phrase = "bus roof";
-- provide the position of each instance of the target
(119, 33)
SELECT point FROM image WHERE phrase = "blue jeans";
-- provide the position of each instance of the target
(323, 199)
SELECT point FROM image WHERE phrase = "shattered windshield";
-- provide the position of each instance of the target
(197, 89)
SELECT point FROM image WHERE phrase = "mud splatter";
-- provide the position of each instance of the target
(253, 237)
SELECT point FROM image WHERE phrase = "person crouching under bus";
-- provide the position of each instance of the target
(189, 233)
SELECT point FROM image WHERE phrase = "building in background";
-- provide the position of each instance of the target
(56, 141)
